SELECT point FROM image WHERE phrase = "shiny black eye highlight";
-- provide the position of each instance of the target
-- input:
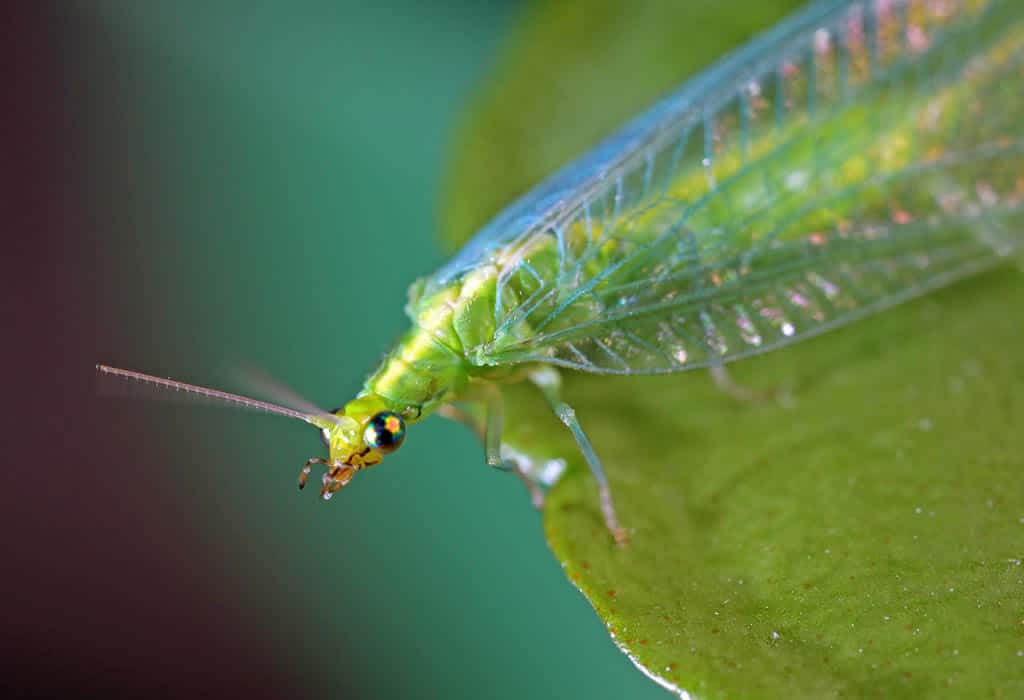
(385, 432)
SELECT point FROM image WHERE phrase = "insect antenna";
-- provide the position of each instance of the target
(260, 383)
(215, 394)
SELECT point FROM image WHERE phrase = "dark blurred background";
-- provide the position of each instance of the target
(196, 185)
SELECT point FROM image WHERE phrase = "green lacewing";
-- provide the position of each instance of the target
(860, 153)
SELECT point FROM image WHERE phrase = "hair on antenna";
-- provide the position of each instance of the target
(206, 392)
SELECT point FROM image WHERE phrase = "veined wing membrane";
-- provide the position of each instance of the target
(800, 293)
(792, 228)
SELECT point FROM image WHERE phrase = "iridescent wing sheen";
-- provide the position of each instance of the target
(561, 197)
(859, 154)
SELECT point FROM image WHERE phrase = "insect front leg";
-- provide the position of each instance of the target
(489, 429)
(550, 384)
(336, 476)
(304, 474)
(494, 427)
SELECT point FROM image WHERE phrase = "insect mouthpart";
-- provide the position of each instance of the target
(334, 479)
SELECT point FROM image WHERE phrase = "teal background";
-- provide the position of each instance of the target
(264, 180)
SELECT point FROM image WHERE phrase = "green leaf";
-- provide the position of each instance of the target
(865, 541)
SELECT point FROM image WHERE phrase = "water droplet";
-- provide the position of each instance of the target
(986, 194)
(551, 471)
(748, 332)
(917, 38)
(821, 40)
(796, 180)
(830, 290)
(800, 297)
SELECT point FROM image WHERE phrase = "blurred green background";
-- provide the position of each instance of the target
(266, 179)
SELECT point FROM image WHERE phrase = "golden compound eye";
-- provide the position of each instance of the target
(385, 432)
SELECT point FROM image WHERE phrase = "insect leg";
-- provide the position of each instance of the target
(494, 427)
(548, 381)
(304, 475)
(489, 430)
(460, 414)
(536, 492)
(742, 392)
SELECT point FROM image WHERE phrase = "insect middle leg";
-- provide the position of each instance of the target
(548, 381)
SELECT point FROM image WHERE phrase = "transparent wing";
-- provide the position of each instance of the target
(859, 154)
(807, 289)
(561, 197)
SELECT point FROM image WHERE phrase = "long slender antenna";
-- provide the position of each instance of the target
(206, 392)
(260, 383)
